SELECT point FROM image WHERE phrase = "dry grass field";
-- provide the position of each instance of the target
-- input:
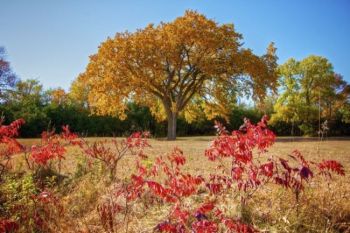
(194, 148)
(324, 206)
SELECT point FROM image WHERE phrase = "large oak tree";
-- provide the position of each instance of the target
(190, 66)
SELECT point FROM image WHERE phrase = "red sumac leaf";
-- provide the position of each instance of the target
(204, 226)
(267, 169)
(7, 225)
(285, 165)
(206, 207)
(332, 165)
(237, 173)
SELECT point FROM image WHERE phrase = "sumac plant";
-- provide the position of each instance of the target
(247, 171)
(201, 203)
(111, 152)
(24, 205)
(8, 144)
(52, 148)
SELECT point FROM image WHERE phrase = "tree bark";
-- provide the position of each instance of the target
(172, 117)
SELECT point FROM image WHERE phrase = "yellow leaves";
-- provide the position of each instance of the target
(306, 84)
(105, 105)
(155, 105)
(213, 110)
(79, 91)
(164, 66)
(58, 96)
(194, 111)
(158, 111)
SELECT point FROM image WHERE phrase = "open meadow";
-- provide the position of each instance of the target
(324, 205)
(194, 148)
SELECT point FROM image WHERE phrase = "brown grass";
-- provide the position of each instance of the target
(325, 209)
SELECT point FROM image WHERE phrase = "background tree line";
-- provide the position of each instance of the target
(48, 109)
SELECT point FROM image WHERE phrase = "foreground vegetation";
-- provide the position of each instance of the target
(64, 183)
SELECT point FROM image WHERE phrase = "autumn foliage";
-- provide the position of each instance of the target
(190, 66)
(195, 202)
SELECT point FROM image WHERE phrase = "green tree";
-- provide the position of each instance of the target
(26, 101)
(309, 89)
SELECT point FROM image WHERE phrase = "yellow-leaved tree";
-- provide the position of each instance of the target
(58, 96)
(191, 66)
(310, 90)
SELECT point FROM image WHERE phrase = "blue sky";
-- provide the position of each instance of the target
(51, 40)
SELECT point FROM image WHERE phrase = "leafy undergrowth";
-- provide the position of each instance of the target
(68, 184)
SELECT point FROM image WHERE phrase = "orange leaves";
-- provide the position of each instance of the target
(169, 64)
(58, 96)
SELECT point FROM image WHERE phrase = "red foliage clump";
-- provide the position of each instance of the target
(331, 165)
(164, 180)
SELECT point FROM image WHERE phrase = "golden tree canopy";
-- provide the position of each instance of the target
(190, 63)
(58, 96)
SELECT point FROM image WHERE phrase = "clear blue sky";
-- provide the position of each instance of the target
(51, 40)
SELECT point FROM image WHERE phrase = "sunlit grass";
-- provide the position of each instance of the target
(270, 209)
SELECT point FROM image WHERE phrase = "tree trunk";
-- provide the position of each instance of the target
(172, 117)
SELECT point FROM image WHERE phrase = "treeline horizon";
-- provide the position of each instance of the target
(51, 109)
